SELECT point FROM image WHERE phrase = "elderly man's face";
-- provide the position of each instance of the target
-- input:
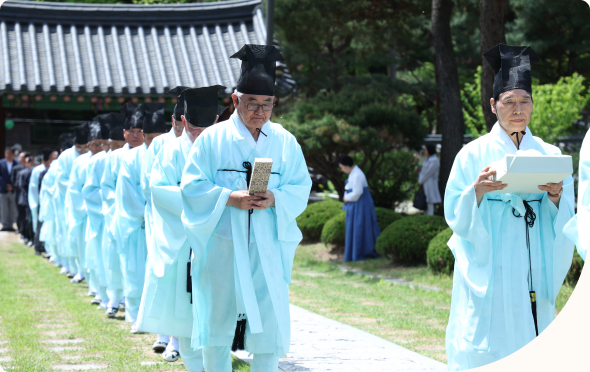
(253, 119)
(513, 109)
(81, 149)
(114, 145)
(134, 137)
(178, 126)
(95, 146)
(192, 131)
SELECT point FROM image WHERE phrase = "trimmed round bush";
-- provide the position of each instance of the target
(312, 220)
(386, 217)
(406, 240)
(575, 270)
(334, 231)
(439, 256)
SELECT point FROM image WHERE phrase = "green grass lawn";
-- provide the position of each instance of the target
(414, 318)
(40, 309)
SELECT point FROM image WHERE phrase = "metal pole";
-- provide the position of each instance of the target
(270, 21)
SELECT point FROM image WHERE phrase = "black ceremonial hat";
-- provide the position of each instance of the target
(201, 105)
(81, 131)
(136, 119)
(94, 128)
(512, 66)
(258, 72)
(128, 110)
(116, 134)
(117, 121)
(179, 107)
(154, 121)
(66, 140)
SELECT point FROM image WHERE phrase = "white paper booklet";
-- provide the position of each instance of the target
(526, 171)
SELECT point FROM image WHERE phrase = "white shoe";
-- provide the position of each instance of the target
(52, 259)
(77, 279)
(159, 346)
(136, 331)
(171, 355)
(101, 307)
(91, 293)
(96, 300)
(64, 270)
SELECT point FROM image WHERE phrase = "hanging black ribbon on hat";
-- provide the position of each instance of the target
(529, 220)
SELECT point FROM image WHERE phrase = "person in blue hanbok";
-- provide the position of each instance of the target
(34, 197)
(130, 214)
(47, 214)
(511, 256)
(76, 211)
(581, 236)
(362, 229)
(130, 136)
(154, 146)
(64, 170)
(98, 143)
(166, 301)
(242, 261)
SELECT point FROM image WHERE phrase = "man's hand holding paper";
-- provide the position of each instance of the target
(484, 184)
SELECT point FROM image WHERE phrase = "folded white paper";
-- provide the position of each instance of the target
(525, 173)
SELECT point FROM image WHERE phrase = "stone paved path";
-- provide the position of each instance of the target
(320, 344)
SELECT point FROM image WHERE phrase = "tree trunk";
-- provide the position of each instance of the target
(491, 33)
(452, 124)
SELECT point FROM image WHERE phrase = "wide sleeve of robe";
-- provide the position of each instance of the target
(77, 206)
(46, 211)
(130, 201)
(291, 198)
(203, 201)
(470, 242)
(577, 228)
(167, 206)
(91, 191)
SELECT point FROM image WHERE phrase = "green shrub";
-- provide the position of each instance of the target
(386, 217)
(439, 257)
(334, 231)
(312, 220)
(406, 240)
(575, 270)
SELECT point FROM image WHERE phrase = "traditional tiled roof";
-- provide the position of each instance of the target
(101, 49)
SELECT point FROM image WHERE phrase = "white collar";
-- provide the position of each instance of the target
(246, 133)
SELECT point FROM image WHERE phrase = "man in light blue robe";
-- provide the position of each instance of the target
(242, 262)
(166, 301)
(132, 137)
(34, 197)
(50, 234)
(65, 163)
(155, 145)
(581, 236)
(76, 210)
(509, 248)
(130, 213)
(34, 194)
(47, 214)
(98, 142)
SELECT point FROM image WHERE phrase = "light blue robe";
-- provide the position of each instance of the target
(108, 185)
(47, 211)
(92, 194)
(65, 161)
(34, 194)
(76, 210)
(150, 155)
(225, 265)
(490, 311)
(581, 237)
(130, 228)
(165, 303)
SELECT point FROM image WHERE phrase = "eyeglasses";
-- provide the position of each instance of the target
(255, 106)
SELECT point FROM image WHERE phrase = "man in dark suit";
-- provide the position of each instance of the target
(22, 202)
(17, 168)
(7, 196)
